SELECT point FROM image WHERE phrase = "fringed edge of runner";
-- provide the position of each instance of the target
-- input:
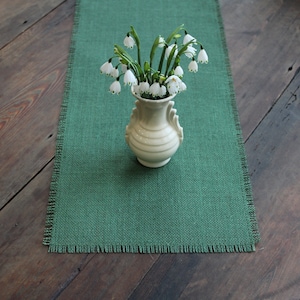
(60, 133)
(247, 182)
(151, 248)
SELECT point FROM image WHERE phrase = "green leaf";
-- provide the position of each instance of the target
(135, 36)
(137, 41)
(173, 34)
(170, 57)
(153, 49)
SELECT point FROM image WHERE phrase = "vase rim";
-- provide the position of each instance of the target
(152, 100)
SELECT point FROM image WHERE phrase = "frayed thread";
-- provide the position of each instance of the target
(158, 249)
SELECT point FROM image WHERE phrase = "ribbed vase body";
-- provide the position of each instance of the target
(154, 133)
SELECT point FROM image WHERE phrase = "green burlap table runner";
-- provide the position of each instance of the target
(101, 199)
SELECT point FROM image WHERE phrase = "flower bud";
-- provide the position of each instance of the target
(146, 67)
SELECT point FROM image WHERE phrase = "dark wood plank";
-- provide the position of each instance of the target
(33, 69)
(114, 276)
(273, 271)
(28, 272)
(264, 53)
(18, 15)
(168, 277)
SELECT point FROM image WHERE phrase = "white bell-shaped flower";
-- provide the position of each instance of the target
(173, 78)
(129, 42)
(202, 57)
(173, 88)
(144, 87)
(178, 71)
(188, 38)
(169, 49)
(129, 78)
(115, 87)
(154, 89)
(136, 89)
(193, 66)
(114, 72)
(106, 68)
(124, 68)
(173, 84)
(190, 52)
(182, 86)
(162, 91)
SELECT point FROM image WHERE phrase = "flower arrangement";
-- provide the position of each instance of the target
(146, 81)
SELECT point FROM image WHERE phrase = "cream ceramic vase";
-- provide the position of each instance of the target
(154, 133)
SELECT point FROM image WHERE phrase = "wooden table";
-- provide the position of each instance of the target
(264, 46)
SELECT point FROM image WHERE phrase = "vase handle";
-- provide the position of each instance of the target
(173, 120)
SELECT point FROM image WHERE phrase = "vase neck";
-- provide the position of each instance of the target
(153, 114)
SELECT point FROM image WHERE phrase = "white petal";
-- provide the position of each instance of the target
(182, 86)
(129, 78)
(106, 68)
(173, 78)
(173, 87)
(144, 87)
(169, 49)
(136, 89)
(154, 89)
(124, 68)
(129, 42)
(114, 72)
(190, 51)
(173, 84)
(193, 66)
(162, 91)
(178, 71)
(115, 87)
(188, 38)
(202, 57)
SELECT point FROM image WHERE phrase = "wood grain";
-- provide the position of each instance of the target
(263, 42)
(114, 276)
(27, 270)
(18, 15)
(33, 68)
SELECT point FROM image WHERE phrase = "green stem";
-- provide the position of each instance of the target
(170, 58)
(128, 60)
(153, 49)
(137, 41)
(162, 58)
(181, 51)
(168, 40)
